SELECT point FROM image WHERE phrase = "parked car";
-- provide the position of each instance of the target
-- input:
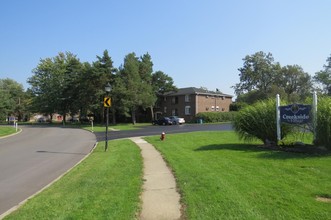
(176, 120)
(163, 121)
(41, 120)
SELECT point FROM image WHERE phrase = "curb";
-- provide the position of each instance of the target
(19, 131)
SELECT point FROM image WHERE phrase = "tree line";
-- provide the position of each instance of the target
(262, 78)
(65, 85)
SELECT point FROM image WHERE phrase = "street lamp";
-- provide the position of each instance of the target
(107, 104)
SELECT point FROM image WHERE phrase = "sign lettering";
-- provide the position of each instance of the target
(295, 114)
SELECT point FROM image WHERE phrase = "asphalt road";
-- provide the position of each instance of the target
(37, 156)
(158, 129)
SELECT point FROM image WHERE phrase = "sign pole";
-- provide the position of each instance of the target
(278, 118)
(314, 113)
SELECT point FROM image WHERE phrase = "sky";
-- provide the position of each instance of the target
(197, 43)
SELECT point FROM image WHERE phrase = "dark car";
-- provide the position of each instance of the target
(163, 121)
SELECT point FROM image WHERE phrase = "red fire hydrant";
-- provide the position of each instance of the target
(162, 136)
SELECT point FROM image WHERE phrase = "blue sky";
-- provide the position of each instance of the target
(197, 43)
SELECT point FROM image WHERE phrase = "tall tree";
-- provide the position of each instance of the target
(162, 83)
(101, 73)
(54, 84)
(12, 99)
(128, 85)
(257, 73)
(324, 77)
(296, 83)
(134, 86)
(146, 89)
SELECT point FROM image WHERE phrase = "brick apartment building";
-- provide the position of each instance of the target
(187, 102)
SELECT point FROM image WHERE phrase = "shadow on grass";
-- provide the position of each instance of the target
(266, 153)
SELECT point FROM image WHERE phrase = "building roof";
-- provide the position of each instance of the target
(197, 91)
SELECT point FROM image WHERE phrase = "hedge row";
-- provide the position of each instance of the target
(213, 117)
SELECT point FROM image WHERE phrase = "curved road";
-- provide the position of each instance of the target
(38, 155)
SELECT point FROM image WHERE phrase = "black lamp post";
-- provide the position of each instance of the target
(107, 89)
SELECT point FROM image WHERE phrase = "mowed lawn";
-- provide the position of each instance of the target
(220, 177)
(7, 130)
(106, 185)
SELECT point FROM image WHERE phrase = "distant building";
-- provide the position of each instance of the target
(187, 102)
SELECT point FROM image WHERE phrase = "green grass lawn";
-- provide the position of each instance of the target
(7, 130)
(220, 177)
(106, 185)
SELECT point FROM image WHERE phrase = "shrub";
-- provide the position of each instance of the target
(213, 117)
(258, 121)
(323, 128)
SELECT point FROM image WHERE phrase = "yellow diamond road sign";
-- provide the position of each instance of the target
(106, 101)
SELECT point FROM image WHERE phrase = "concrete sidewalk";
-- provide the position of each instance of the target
(160, 200)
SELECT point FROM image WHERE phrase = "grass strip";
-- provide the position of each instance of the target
(4, 131)
(106, 185)
(221, 177)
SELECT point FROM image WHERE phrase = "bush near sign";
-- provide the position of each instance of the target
(295, 114)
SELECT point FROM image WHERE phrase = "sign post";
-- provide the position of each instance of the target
(278, 118)
(295, 114)
(314, 113)
(107, 104)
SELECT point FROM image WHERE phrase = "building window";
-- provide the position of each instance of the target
(174, 100)
(187, 98)
(165, 109)
(174, 112)
(187, 110)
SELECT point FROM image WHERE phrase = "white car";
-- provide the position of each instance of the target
(176, 120)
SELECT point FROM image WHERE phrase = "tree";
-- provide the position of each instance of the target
(324, 77)
(296, 83)
(257, 73)
(54, 84)
(262, 78)
(145, 72)
(162, 83)
(93, 81)
(133, 84)
(12, 99)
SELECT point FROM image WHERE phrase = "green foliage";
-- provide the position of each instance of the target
(257, 73)
(258, 121)
(55, 84)
(324, 77)
(133, 84)
(13, 101)
(213, 117)
(162, 83)
(323, 129)
(261, 78)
